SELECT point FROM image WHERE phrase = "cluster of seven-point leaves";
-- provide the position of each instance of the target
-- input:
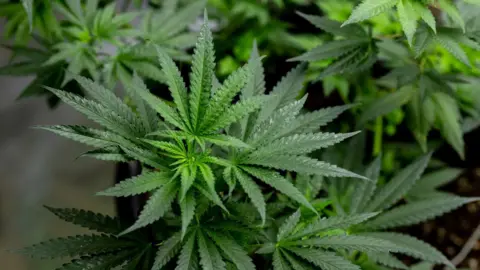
(409, 13)
(368, 212)
(429, 95)
(208, 137)
(355, 53)
(423, 203)
(83, 34)
(319, 244)
(452, 35)
(205, 132)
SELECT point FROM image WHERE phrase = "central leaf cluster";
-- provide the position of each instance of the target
(230, 132)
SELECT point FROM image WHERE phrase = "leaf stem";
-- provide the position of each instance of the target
(392, 36)
(338, 209)
(377, 139)
(469, 245)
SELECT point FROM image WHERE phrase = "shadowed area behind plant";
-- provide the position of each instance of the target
(39, 168)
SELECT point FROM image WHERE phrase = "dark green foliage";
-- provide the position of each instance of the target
(414, 86)
(79, 43)
(89, 220)
(95, 251)
(203, 139)
(355, 53)
(423, 203)
(242, 22)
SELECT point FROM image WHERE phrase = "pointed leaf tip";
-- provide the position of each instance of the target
(205, 16)
(299, 13)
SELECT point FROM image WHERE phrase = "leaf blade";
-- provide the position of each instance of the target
(253, 192)
(387, 195)
(158, 204)
(142, 183)
(201, 74)
(368, 9)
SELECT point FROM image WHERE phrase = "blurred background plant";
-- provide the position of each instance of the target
(420, 82)
(266, 21)
(103, 41)
(98, 39)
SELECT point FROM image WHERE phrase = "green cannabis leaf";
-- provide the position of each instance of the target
(313, 244)
(409, 13)
(355, 53)
(93, 40)
(96, 251)
(182, 149)
(238, 176)
(371, 196)
(28, 6)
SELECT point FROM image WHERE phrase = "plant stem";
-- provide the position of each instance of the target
(469, 245)
(392, 36)
(377, 140)
(335, 201)
(128, 208)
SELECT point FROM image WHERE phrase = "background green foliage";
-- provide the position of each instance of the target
(429, 90)
(93, 40)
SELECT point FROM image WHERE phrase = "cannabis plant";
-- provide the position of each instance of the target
(423, 202)
(414, 88)
(217, 171)
(240, 22)
(409, 12)
(93, 40)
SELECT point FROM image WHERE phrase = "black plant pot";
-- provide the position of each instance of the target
(128, 208)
